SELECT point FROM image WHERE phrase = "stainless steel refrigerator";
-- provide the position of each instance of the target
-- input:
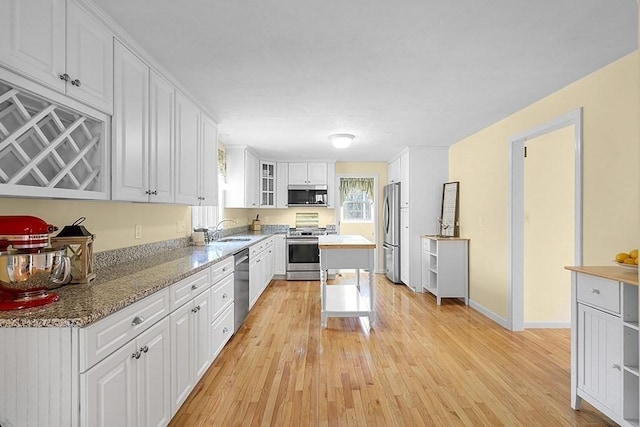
(391, 226)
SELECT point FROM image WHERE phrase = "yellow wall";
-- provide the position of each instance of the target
(113, 223)
(611, 143)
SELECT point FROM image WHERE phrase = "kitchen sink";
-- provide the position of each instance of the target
(234, 239)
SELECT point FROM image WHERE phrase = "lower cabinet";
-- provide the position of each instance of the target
(280, 254)
(261, 268)
(130, 387)
(222, 330)
(190, 347)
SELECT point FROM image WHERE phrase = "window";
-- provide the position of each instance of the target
(356, 199)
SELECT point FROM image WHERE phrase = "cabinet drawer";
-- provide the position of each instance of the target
(222, 330)
(221, 269)
(223, 294)
(599, 292)
(102, 338)
(186, 289)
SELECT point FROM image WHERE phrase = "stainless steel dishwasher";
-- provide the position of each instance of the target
(241, 288)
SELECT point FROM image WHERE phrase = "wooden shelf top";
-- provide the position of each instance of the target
(612, 272)
(344, 241)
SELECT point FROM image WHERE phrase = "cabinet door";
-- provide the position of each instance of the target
(187, 151)
(154, 375)
(89, 59)
(393, 171)
(108, 391)
(254, 280)
(251, 182)
(297, 173)
(209, 163)
(202, 333)
(405, 244)
(182, 380)
(600, 356)
(32, 39)
(267, 185)
(130, 127)
(282, 181)
(405, 179)
(317, 173)
(161, 172)
(280, 248)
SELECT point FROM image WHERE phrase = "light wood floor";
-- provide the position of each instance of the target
(421, 365)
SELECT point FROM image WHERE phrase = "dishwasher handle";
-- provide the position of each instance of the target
(241, 257)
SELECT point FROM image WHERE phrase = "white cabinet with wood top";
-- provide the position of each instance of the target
(67, 50)
(445, 267)
(604, 341)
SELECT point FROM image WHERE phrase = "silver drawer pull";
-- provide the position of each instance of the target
(615, 366)
(225, 330)
(224, 268)
(595, 291)
(224, 296)
(194, 287)
(137, 320)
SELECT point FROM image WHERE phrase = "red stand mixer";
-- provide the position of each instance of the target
(28, 268)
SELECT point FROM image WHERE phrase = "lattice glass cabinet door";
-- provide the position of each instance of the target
(267, 185)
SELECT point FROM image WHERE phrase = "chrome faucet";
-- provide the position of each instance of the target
(216, 230)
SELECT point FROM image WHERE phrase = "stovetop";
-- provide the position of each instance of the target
(306, 232)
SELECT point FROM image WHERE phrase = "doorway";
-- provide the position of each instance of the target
(546, 135)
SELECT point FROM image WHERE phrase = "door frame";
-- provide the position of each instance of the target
(376, 207)
(515, 223)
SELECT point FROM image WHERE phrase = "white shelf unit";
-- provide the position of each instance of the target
(445, 267)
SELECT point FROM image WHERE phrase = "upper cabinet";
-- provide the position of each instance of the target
(393, 171)
(405, 174)
(242, 178)
(187, 141)
(208, 164)
(161, 139)
(71, 52)
(307, 174)
(267, 185)
(282, 180)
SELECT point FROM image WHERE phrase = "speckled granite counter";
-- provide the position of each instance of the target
(118, 286)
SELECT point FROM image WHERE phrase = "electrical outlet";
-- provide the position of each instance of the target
(180, 226)
(138, 231)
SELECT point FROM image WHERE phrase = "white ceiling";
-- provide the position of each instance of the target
(281, 75)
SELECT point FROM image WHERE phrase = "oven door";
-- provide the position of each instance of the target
(303, 254)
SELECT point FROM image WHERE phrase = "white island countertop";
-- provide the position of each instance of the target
(340, 241)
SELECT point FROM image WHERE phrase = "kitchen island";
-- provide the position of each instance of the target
(346, 252)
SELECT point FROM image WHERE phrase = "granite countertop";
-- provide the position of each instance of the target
(123, 284)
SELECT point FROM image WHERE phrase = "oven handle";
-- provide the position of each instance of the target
(302, 241)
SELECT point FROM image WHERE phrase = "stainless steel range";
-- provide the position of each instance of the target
(303, 255)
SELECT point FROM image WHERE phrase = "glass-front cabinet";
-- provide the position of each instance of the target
(267, 185)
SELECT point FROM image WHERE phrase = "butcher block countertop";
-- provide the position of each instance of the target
(119, 286)
(612, 272)
(346, 241)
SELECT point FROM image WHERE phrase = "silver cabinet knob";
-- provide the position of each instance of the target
(75, 82)
(136, 355)
(224, 296)
(65, 77)
(154, 192)
(595, 291)
(615, 366)
(225, 330)
(194, 287)
(144, 349)
(137, 320)
(194, 310)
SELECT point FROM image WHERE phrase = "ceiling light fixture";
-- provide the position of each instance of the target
(341, 140)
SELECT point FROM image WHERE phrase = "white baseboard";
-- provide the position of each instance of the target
(547, 325)
(488, 313)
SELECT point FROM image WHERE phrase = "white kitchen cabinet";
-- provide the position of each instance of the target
(280, 254)
(67, 50)
(130, 127)
(307, 173)
(187, 149)
(130, 387)
(190, 346)
(222, 328)
(161, 140)
(405, 247)
(261, 259)
(331, 185)
(282, 182)
(604, 342)
(393, 171)
(445, 267)
(406, 178)
(208, 165)
(242, 178)
(426, 170)
(267, 185)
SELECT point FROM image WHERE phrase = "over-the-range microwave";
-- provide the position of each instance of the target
(307, 195)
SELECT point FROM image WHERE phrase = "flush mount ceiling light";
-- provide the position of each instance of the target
(341, 140)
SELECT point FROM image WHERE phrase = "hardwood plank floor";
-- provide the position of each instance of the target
(423, 364)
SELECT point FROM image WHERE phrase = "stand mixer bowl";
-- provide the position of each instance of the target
(28, 276)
